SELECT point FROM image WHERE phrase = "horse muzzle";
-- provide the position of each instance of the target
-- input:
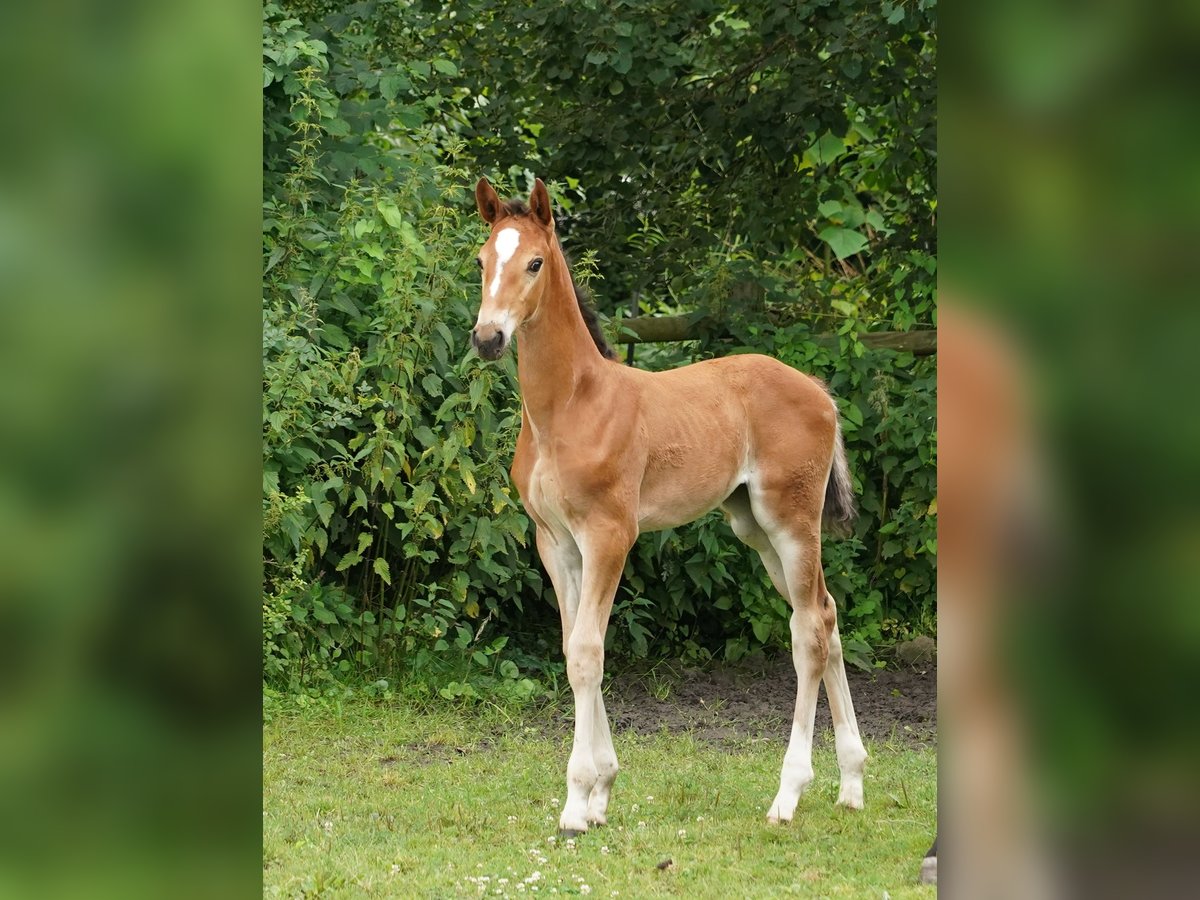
(489, 341)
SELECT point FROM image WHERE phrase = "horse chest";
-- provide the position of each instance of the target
(546, 496)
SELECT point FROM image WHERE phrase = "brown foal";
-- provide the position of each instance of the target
(607, 452)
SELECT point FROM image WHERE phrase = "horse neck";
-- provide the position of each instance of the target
(555, 351)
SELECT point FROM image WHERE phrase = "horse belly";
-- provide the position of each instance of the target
(684, 496)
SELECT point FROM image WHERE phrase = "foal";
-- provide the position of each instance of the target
(606, 452)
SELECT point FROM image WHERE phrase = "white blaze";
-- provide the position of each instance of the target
(506, 245)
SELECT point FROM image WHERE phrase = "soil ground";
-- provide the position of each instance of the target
(731, 705)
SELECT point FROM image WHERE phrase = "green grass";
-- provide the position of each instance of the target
(386, 801)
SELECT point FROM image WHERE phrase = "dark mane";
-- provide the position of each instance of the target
(591, 319)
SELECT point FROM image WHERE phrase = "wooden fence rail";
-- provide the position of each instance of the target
(651, 329)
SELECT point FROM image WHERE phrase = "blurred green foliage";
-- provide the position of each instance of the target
(393, 541)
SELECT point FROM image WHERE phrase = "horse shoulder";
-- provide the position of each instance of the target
(524, 460)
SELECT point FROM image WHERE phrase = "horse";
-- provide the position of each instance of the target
(606, 452)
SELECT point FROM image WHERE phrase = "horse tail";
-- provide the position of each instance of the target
(839, 512)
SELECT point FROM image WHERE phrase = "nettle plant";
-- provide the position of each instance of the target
(393, 542)
(391, 531)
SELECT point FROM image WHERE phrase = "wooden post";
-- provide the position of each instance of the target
(650, 329)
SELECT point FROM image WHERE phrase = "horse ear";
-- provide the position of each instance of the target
(487, 201)
(539, 204)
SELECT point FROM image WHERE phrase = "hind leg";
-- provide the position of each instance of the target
(797, 770)
(605, 758)
(852, 756)
(741, 518)
(792, 558)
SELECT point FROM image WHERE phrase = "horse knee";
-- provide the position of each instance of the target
(585, 662)
(818, 649)
(810, 643)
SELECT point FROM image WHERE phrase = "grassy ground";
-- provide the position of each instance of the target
(388, 802)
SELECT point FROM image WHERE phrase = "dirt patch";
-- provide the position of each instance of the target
(731, 705)
(428, 753)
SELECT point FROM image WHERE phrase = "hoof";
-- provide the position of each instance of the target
(779, 814)
(565, 833)
(928, 871)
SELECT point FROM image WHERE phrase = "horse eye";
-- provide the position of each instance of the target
(479, 261)
(535, 265)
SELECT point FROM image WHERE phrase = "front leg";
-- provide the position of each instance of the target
(605, 545)
(564, 564)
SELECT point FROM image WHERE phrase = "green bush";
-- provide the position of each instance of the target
(394, 545)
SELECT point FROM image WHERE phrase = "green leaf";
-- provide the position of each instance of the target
(478, 386)
(827, 148)
(391, 214)
(323, 615)
(348, 560)
(383, 570)
(843, 241)
(445, 67)
(762, 629)
(391, 84)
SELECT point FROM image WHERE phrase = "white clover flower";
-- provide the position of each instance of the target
(604, 850)
(584, 889)
(635, 807)
(682, 832)
(554, 801)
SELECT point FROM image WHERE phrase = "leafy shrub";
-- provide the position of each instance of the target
(394, 544)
